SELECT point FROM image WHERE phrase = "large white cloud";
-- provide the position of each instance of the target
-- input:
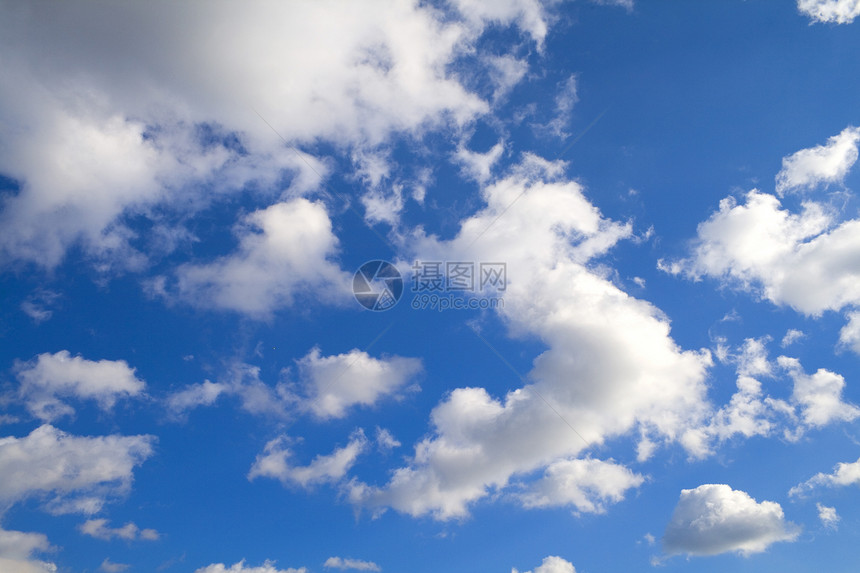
(610, 367)
(49, 377)
(804, 260)
(75, 473)
(90, 138)
(714, 518)
(835, 11)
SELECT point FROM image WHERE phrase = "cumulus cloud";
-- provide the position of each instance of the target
(240, 567)
(476, 165)
(49, 377)
(274, 462)
(792, 335)
(17, 549)
(714, 518)
(828, 516)
(819, 395)
(803, 259)
(587, 485)
(100, 529)
(845, 473)
(611, 365)
(330, 385)
(91, 141)
(827, 163)
(283, 249)
(849, 336)
(354, 564)
(75, 473)
(552, 564)
(830, 11)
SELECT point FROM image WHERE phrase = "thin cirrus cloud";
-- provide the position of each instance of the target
(100, 529)
(48, 378)
(348, 564)
(714, 518)
(240, 567)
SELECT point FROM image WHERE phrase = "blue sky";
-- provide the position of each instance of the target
(664, 378)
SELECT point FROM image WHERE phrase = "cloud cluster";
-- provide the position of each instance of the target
(91, 141)
(610, 366)
(714, 518)
(48, 377)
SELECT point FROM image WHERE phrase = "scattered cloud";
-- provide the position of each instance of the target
(828, 516)
(330, 385)
(284, 250)
(845, 473)
(49, 377)
(77, 474)
(829, 163)
(792, 335)
(240, 567)
(274, 462)
(99, 529)
(714, 518)
(354, 564)
(552, 564)
(385, 439)
(830, 11)
(110, 567)
(819, 396)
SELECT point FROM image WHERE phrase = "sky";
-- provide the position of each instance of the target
(545, 287)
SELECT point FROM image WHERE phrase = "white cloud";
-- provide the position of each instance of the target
(274, 462)
(194, 395)
(552, 564)
(478, 166)
(80, 473)
(836, 11)
(714, 518)
(332, 384)
(38, 305)
(109, 566)
(819, 395)
(849, 336)
(355, 564)
(828, 516)
(283, 250)
(803, 260)
(792, 335)
(100, 529)
(92, 140)
(845, 473)
(385, 439)
(610, 367)
(17, 549)
(564, 102)
(383, 205)
(49, 377)
(828, 163)
(587, 485)
(240, 567)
